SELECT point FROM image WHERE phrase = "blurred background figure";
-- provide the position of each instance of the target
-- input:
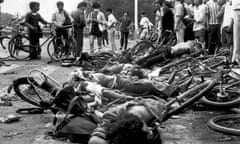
(125, 24)
(79, 22)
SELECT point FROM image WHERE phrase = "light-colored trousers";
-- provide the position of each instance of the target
(180, 35)
(236, 36)
(112, 37)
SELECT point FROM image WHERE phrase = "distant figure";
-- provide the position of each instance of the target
(97, 23)
(79, 23)
(32, 20)
(59, 19)
(227, 27)
(145, 25)
(112, 22)
(214, 26)
(179, 25)
(125, 24)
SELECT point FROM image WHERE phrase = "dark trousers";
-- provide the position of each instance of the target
(78, 36)
(35, 44)
(213, 38)
(105, 37)
(189, 34)
(124, 39)
(62, 33)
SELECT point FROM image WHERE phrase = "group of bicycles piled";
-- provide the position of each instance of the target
(113, 100)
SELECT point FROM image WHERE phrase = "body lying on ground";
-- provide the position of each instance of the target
(131, 122)
(100, 83)
(162, 54)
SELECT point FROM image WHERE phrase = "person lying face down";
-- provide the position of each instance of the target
(141, 87)
(192, 48)
(131, 123)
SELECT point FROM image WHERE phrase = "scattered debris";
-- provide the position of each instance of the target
(12, 134)
(5, 103)
(10, 119)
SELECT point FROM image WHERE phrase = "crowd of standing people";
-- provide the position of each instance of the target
(213, 22)
(101, 27)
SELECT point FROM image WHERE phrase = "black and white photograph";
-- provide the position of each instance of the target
(119, 71)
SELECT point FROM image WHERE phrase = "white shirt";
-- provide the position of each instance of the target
(228, 15)
(236, 4)
(58, 18)
(145, 22)
(101, 18)
(111, 21)
(199, 15)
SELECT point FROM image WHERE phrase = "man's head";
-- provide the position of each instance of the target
(126, 128)
(82, 5)
(221, 2)
(96, 6)
(188, 2)
(34, 6)
(60, 5)
(109, 11)
(197, 2)
(143, 14)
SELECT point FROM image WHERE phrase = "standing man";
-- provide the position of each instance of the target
(236, 31)
(112, 21)
(124, 28)
(59, 19)
(199, 26)
(178, 17)
(214, 26)
(97, 22)
(227, 27)
(32, 20)
(79, 23)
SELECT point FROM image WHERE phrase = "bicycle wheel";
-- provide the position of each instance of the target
(55, 52)
(141, 50)
(223, 96)
(227, 124)
(189, 97)
(4, 41)
(19, 47)
(33, 95)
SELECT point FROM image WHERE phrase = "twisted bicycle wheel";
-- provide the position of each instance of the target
(29, 93)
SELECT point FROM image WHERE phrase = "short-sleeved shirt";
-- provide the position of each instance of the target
(125, 23)
(34, 19)
(213, 8)
(59, 18)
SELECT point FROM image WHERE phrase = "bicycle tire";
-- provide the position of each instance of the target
(212, 123)
(215, 104)
(232, 99)
(204, 87)
(14, 51)
(25, 81)
(55, 55)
